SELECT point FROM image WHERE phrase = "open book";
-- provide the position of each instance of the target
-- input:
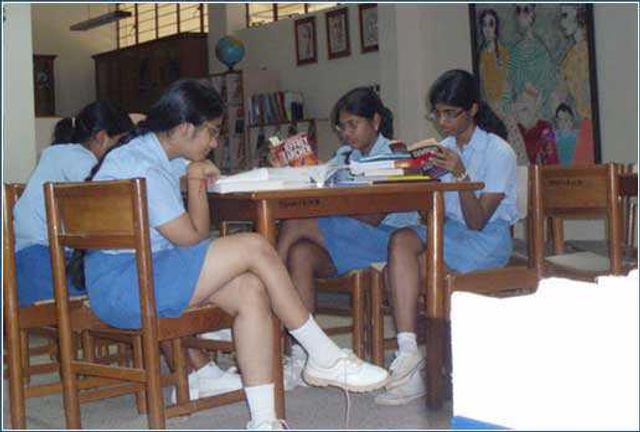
(260, 179)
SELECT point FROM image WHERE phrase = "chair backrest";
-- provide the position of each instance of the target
(101, 215)
(10, 194)
(585, 191)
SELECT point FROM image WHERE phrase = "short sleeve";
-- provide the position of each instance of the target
(163, 197)
(502, 174)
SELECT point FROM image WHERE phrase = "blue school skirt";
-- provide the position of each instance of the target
(112, 283)
(467, 250)
(34, 276)
(353, 244)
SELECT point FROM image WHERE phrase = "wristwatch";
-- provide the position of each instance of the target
(460, 177)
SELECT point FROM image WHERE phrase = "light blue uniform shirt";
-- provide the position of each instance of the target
(144, 157)
(58, 163)
(346, 153)
(491, 160)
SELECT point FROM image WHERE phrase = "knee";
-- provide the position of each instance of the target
(257, 246)
(402, 241)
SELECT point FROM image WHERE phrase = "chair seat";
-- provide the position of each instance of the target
(583, 261)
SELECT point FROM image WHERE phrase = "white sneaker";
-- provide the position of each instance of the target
(207, 381)
(348, 372)
(229, 381)
(403, 366)
(267, 425)
(292, 372)
(223, 335)
(413, 387)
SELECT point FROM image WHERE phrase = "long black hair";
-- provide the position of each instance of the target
(185, 101)
(459, 88)
(93, 118)
(364, 102)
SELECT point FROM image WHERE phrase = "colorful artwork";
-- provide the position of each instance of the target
(536, 65)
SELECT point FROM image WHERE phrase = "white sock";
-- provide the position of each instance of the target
(297, 352)
(321, 349)
(211, 370)
(407, 342)
(261, 401)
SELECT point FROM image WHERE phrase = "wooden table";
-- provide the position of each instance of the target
(265, 208)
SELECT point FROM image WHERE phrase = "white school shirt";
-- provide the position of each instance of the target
(491, 160)
(58, 163)
(346, 153)
(144, 157)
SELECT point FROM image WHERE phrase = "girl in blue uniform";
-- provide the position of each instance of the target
(78, 144)
(477, 224)
(242, 274)
(335, 245)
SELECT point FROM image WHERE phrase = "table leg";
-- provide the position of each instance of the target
(435, 292)
(266, 226)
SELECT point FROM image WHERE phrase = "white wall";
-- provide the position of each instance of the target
(74, 68)
(18, 135)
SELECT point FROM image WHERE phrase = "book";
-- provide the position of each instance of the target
(295, 150)
(390, 172)
(281, 178)
(358, 167)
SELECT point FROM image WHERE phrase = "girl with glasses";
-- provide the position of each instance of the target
(335, 245)
(477, 224)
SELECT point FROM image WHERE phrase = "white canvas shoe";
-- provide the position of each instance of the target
(210, 385)
(403, 366)
(267, 425)
(413, 387)
(348, 372)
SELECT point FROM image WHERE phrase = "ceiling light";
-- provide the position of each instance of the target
(100, 20)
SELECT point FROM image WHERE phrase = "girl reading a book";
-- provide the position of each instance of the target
(242, 274)
(477, 224)
(331, 246)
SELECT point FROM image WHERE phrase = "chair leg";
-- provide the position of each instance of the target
(141, 397)
(181, 371)
(16, 383)
(377, 318)
(24, 355)
(357, 308)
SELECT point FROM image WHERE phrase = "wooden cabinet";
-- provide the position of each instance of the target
(135, 77)
(44, 85)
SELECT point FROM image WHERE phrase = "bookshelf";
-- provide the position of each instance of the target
(232, 154)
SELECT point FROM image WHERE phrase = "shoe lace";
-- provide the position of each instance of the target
(397, 361)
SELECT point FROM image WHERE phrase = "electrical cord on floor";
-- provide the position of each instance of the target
(346, 392)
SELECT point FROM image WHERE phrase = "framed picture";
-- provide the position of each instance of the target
(536, 68)
(338, 43)
(368, 14)
(306, 46)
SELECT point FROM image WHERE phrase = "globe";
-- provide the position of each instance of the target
(229, 50)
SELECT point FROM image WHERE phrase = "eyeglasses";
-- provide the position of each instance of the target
(446, 115)
(350, 125)
(214, 131)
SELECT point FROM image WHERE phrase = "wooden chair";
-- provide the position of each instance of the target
(517, 278)
(579, 192)
(355, 284)
(113, 215)
(22, 322)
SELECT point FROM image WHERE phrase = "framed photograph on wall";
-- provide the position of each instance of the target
(338, 42)
(368, 17)
(306, 45)
(536, 68)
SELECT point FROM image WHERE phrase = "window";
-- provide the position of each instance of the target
(149, 21)
(264, 13)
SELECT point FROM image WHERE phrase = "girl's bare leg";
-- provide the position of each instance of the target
(406, 273)
(306, 261)
(293, 230)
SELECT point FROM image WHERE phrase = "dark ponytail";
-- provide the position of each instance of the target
(93, 118)
(364, 102)
(459, 88)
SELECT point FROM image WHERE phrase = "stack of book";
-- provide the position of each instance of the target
(407, 163)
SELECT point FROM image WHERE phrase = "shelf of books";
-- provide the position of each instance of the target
(233, 154)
